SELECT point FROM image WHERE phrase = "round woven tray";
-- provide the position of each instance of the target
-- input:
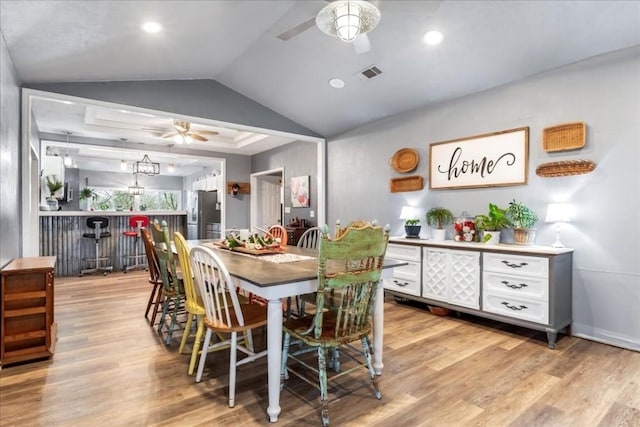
(404, 160)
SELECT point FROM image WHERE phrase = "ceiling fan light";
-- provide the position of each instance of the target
(347, 19)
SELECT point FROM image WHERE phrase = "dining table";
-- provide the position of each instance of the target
(276, 276)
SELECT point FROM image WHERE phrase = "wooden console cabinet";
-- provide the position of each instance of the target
(27, 328)
(527, 286)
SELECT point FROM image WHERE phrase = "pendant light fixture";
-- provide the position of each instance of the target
(123, 162)
(136, 190)
(146, 166)
(67, 160)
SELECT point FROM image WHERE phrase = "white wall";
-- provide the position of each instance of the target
(604, 92)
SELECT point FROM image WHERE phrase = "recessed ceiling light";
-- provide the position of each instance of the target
(151, 27)
(336, 83)
(433, 37)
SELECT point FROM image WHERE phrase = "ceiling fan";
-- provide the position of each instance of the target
(183, 129)
(348, 20)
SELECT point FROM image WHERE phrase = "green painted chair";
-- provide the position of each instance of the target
(172, 288)
(357, 255)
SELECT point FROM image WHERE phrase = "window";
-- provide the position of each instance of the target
(109, 199)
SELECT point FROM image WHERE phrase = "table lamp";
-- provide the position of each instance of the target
(558, 213)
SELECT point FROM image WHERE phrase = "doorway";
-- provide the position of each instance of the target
(267, 199)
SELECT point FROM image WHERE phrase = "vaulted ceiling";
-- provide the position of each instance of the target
(486, 44)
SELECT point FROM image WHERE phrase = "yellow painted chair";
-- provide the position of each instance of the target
(194, 305)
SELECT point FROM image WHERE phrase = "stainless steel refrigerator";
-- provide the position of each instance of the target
(204, 215)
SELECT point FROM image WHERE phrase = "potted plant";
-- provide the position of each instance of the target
(86, 194)
(491, 224)
(412, 228)
(54, 185)
(438, 217)
(523, 219)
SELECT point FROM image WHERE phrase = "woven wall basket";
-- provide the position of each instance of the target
(565, 168)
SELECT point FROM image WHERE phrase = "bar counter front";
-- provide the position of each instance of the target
(61, 235)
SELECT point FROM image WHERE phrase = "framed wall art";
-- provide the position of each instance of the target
(300, 192)
(495, 159)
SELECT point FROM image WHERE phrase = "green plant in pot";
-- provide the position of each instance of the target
(437, 218)
(86, 195)
(491, 224)
(412, 228)
(53, 185)
(522, 219)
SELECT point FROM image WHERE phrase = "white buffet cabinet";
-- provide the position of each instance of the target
(527, 286)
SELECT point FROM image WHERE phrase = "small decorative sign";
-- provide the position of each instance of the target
(495, 159)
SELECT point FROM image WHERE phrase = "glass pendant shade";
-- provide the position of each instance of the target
(347, 19)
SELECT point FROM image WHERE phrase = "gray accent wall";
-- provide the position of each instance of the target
(10, 178)
(298, 159)
(604, 92)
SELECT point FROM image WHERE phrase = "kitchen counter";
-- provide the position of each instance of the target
(110, 213)
(61, 235)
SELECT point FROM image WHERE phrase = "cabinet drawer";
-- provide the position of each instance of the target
(409, 287)
(516, 264)
(519, 308)
(411, 271)
(536, 288)
(403, 252)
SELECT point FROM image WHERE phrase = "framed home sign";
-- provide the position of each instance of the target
(491, 160)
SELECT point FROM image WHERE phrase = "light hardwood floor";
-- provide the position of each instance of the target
(110, 368)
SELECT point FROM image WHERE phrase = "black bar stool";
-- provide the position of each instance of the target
(97, 223)
(137, 221)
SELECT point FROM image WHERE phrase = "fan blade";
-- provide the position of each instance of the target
(297, 29)
(196, 136)
(361, 44)
(208, 132)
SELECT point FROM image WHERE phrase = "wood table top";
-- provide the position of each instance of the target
(263, 273)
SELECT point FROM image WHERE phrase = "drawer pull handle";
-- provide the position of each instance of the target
(513, 307)
(400, 283)
(508, 264)
(512, 286)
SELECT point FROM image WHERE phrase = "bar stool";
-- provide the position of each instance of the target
(137, 221)
(97, 223)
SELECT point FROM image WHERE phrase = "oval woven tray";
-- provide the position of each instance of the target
(404, 160)
(565, 168)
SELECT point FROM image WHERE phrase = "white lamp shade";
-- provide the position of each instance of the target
(558, 212)
(410, 212)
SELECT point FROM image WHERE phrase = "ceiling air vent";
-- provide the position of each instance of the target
(369, 73)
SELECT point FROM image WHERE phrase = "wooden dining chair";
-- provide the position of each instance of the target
(224, 313)
(172, 286)
(308, 240)
(358, 254)
(155, 299)
(278, 232)
(193, 304)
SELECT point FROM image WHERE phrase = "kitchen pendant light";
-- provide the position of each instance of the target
(67, 160)
(123, 162)
(136, 190)
(146, 166)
